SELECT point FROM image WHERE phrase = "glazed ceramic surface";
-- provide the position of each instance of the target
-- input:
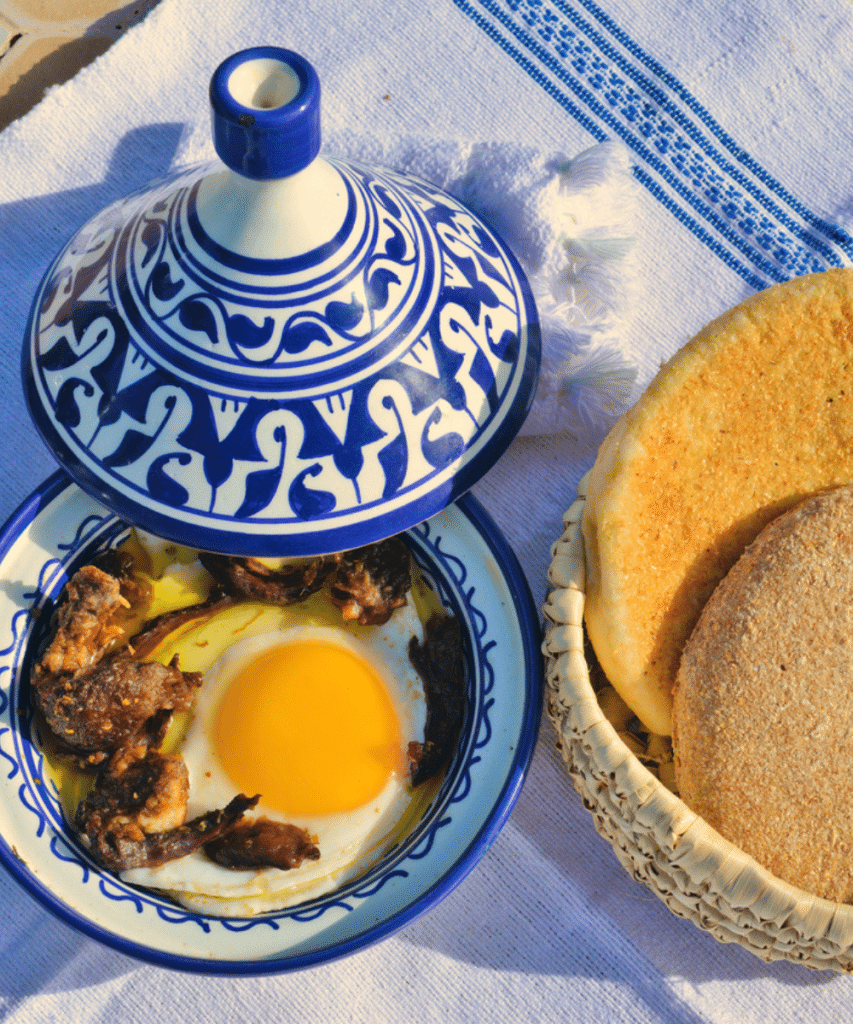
(463, 554)
(278, 365)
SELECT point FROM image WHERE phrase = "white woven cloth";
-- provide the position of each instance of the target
(734, 120)
(571, 222)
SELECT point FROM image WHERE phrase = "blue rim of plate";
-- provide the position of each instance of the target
(453, 585)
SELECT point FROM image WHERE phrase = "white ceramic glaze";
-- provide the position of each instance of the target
(263, 83)
(273, 220)
(284, 355)
(478, 579)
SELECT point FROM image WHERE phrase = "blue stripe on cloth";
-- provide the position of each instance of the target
(687, 161)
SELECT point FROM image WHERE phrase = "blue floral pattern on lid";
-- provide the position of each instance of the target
(305, 402)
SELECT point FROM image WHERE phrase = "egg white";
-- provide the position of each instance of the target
(349, 842)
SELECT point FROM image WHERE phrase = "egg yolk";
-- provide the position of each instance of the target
(311, 727)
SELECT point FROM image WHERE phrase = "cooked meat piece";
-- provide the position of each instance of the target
(84, 623)
(370, 582)
(120, 565)
(103, 709)
(120, 847)
(251, 579)
(367, 584)
(134, 815)
(140, 787)
(440, 665)
(156, 630)
(95, 699)
(262, 843)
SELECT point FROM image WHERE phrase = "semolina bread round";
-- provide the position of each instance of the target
(763, 704)
(747, 419)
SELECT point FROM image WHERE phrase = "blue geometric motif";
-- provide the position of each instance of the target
(480, 786)
(343, 394)
(707, 181)
(95, 533)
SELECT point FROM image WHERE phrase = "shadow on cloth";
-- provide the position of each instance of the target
(35, 947)
(37, 228)
(34, 230)
(555, 901)
(37, 951)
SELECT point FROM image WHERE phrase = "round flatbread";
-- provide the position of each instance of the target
(750, 417)
(763, 710)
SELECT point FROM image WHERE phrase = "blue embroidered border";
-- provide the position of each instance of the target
(687, 161)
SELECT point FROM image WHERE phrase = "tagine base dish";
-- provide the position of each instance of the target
(656, 837)
(60, 528)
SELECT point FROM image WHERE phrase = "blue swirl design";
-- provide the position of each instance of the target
(178, 281)
(484, 735)
(313, 913)
(118, 895)
(87, 528)
(62, 851)
(237, 924)
(170, 914)
(465, 787)
(366, 891)
(17, 618)
(451, 578)
(425, 847)
(452, 562)
(46, 573)
(273, 401)
(13, 761)
(487, 667)
(26, 796)
(478, 620)
(461, 573)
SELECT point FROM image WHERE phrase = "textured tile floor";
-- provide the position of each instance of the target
(45, 42)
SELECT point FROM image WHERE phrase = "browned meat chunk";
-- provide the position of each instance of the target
(370, 582)
(95, 699)
(262, 843)
(440, 665)
(84, 623)
(120, 565)
(134, 815)
(367, 584)
(251, 579)
(108, 708)
(104, 708)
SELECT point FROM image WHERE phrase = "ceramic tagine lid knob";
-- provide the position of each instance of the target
(280, 354)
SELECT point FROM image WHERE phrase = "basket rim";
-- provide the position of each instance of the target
(725, 877)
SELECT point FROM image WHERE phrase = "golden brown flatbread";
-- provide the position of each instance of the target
(747, 419)
(763, 712)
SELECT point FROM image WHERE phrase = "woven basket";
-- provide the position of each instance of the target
(657, 838)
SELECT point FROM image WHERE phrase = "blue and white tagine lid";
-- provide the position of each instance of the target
(284, 355)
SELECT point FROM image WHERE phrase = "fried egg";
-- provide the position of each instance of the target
(314, 717)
